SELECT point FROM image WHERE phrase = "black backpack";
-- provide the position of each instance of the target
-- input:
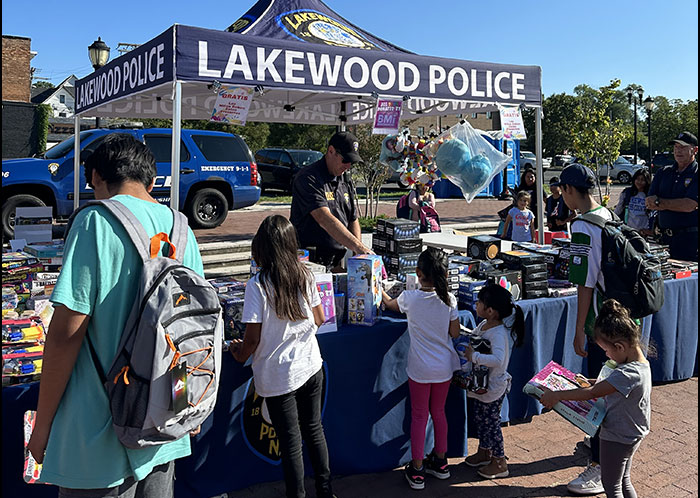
(632, 275)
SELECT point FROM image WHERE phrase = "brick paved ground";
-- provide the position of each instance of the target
(545, 454)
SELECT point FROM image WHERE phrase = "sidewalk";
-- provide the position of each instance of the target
(544, 455)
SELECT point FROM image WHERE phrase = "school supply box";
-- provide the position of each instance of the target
(364, 289)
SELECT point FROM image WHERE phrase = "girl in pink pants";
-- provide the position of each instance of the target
(432, 320)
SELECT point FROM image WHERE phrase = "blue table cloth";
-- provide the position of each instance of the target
(366, 410)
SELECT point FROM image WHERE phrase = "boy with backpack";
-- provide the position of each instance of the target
(595, 236)
(74, 435)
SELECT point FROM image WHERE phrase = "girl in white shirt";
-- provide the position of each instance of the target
(503, 320)
(432, 320)
(282, 312)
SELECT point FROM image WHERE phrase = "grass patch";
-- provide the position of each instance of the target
(367, 225)
(281, 198)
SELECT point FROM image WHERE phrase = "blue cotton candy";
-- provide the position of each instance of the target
(452, 157)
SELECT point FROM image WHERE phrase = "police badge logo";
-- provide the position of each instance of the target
(316, 27)
(256, 424)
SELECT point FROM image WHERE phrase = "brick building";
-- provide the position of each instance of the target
(16, 70)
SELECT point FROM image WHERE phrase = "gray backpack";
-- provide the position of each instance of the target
(163, 381)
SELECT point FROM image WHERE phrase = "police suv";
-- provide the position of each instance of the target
(217, 174)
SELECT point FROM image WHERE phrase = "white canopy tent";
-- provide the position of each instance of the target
(307, 65)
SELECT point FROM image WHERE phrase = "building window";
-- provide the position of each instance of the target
(488, 115)
(62, 115)
(473, 115)
(62, 99)
(421, 131)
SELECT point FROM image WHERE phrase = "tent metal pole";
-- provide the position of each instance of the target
(76, 162)
(175, 150)
(343, 116)
(540, 175)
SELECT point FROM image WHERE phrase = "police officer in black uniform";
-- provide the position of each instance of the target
(323, 204)
(674, 194)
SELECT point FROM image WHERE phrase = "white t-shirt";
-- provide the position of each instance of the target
(586, 253)
(288, 354)
(496, 361)
(431, 356)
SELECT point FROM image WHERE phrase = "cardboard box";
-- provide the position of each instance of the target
(324, 286)
(586, 415)
(412, 282)
(404, 246)
(232, 306)
(399, 229)
(519, 258)
(401, 263)
(510, 280)
(364, 289)
(483, 246)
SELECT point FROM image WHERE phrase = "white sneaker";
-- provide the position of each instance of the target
(588, 482)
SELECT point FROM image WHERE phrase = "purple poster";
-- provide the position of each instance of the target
(387, 116)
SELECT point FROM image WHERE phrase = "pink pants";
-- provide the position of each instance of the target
(428, 398)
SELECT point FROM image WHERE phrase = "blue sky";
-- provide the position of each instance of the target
(652, 43)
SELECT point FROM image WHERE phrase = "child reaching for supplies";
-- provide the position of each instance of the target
(522, 218)
(502, 318)
(627, 392)
(282, 312)
(432, 320)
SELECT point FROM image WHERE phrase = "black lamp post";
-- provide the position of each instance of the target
(99, 55)
(632, 100)
(649, 106)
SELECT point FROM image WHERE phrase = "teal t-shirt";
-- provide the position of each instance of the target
(99, 278)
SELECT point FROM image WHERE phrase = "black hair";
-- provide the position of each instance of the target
(274, 249)
(501, 300)
(647, 177)
(614, 324)
(433, 264)
(583, 190)
(522, 177)
(554, 179)
(120, 158)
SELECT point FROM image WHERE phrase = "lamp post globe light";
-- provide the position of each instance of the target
(632, 100)
(99, 55)
(649, 106)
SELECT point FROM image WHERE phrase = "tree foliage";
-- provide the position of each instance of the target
(43, 84)
(597, 134)
(300, 136)
(43, 111)
(372, 173)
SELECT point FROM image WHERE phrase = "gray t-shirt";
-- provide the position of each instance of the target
(628, 413)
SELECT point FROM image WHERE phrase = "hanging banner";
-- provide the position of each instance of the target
(387, 116)
(232, 105)
(512, 124)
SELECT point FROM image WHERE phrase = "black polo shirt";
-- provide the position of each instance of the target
(670, 184)
(314, 187)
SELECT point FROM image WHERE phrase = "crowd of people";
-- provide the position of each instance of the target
(73, 435)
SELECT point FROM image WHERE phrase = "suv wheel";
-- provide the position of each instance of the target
(624, 177)
(208, 208)
(8, 211)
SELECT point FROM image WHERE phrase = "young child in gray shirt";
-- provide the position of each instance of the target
(627, 392)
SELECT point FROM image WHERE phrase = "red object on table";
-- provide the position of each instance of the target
(548, 236)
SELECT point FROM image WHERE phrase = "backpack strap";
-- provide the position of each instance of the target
(179, 235)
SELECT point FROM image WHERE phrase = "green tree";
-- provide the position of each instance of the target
(597, 136)
(43, 84)
(300, 136)
(254, 134)
(557, 124)
(372, 173)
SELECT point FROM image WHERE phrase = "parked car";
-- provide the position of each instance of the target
(630, 158)
(217, 174)
(528, 159)
(660, 161)
(563, 160)
(278, 166)
(622, 170)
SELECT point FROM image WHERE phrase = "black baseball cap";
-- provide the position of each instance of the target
(685, 138)
(347, 145)
(576, 175)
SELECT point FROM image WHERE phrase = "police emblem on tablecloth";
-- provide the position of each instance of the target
(316, 27)
(258, 432)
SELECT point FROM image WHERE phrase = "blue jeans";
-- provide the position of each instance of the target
(297, 416)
